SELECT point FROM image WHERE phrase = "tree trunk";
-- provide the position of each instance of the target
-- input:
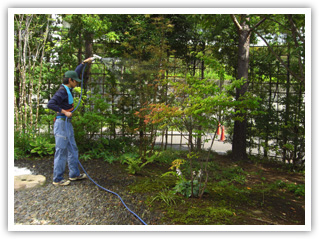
(17, 76)
(40, 75)
(31, 87)
(240, 127)
(23, 94)
(88, 53)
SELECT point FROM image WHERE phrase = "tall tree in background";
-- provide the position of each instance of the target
(240, 125)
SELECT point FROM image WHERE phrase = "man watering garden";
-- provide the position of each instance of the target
(62, 103)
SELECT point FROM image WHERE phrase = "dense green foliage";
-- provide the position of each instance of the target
(176, 72)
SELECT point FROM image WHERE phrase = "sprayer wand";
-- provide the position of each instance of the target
(96, 57)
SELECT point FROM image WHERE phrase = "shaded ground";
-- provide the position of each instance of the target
(278, 205)
(256, 199)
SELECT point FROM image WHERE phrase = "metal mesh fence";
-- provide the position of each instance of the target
(279, 132)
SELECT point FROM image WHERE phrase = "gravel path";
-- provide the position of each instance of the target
(82, 202)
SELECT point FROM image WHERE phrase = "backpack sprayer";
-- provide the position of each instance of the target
(105, 61)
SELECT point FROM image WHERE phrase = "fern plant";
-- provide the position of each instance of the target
(134, 162)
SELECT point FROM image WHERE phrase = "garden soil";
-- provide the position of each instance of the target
(83, 203)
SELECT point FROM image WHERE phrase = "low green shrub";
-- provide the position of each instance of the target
(42, 146)
(183, 187)
(27, 143)
(22, 145)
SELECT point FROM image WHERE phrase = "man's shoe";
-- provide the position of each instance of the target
(81, 176)
(62, 183)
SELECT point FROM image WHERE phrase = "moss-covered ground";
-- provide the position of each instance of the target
(237, 193)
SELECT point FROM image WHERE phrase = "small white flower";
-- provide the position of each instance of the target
(179, 172)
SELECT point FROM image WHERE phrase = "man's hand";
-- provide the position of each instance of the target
(88, 60)
(68, 114)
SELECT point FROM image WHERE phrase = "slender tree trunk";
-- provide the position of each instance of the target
(22, 87)
(88, 53)
(31, 85)
(16, 112)
(240, 127)
(19, 101)
(17, 76)
(40, 75)
(23, 95)
(30, 98)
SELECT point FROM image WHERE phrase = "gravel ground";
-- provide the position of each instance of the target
(82, 202)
